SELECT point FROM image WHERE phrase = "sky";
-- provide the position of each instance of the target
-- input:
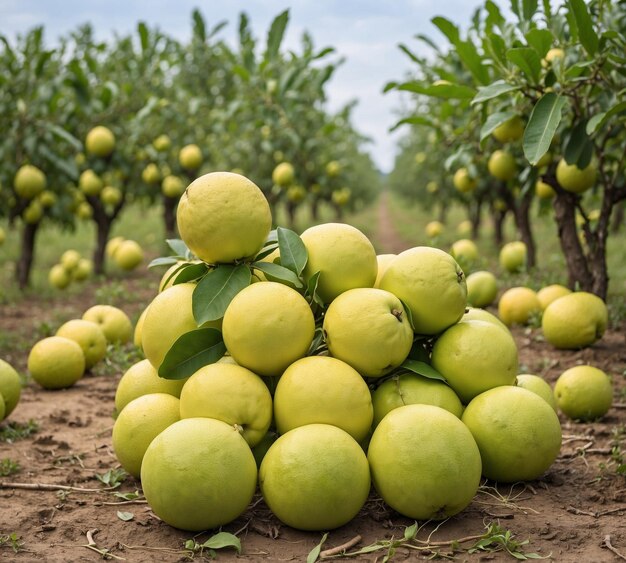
(365, 32)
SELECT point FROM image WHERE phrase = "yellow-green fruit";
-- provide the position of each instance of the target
(29, 181)
(162, 143)
(537, 385)
(510, 130)
(333, 169)
(267, 326)
(573, 179)
(128, 255)
(283, 174)
(502, 165)
(482, 289)
(47, 199)
(70, 259)
(343, 255)
(465, 252)
(553, 54)
(84, 211)
(110, 195)
(172, 186)
(90, 183)
(141, 421)
(413, 389)
(33, 213)
(544, 161)
(543, 190)
(240, 217)
(58, 277)
(513, 256)
(476, 314)
(432, 187)
(112, 245)
(315, 477)
(169, 316)
(56, 362)
(139, 329)
(517, 432)
(100, 141)
(368, 329)
(168, 278)
(475, 356)
(431, 284)
(114, 323)
(142, 379)
(518, 305)
(424, 462)
(464, 228)
(383, 261)
(3, 236)
(433, 229)
(2, 408)
(296, 194)
(463, 182)
(88, 336)
(575, 321)
(583, 393)
(151, 174)
(190, 157)
(323, 390)
(209, 393)
(10, 387)
(420, 158)
(198, 474)
(341, 196)
(83, 269)
(550, 293)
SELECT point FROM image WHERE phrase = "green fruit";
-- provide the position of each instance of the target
(10, 387)
(100, 141)
(573, 179)
(29, 181)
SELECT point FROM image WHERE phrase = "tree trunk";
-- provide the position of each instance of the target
(315, 209)
(578, 272)
(169, 216)
(476, 216)
(443, 213)
(25, 263)
(498, 226)
(522, 221)
(338, 212)
(104, 222)
(291, 214)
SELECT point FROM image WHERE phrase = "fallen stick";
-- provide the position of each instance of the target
(49, 487)
(609, 546)
(340, 548)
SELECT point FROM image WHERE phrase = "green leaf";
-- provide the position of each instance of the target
(445, 91)
(142, 30)
(542, 125)
(529, 7)
(199, 27)
(494, 90)
(65, 165)
(216, 290)
(409, 53)
(318, 339)
(578, 148)
(189, 272)
(275, 35)
(600, 120)
(422, 368)
(415, 120)
(410, 532)
(178, 247)
(66, 136)
(293, 253)
(163, 261)
(223, 539)
(191, 351)
(446, 27)
(473, 61)
(280, 274)
(125, 516)
(527, 60)
(497, 47)
(314, 554)
(587, 35)
(540, 40)
(267, 250)
(493, 121)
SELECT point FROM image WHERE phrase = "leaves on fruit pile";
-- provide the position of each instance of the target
(216, 290)
(191, 351)
(422, 368)
(277, 273)
(293, 253)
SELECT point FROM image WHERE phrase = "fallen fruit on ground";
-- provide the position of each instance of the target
(411, 469)
(482, 288)
(114, 322)
(537, 385)
(583, 393)
(315, 477)
(518, 305)
(10, 387)
(88, 336)
(56, 362)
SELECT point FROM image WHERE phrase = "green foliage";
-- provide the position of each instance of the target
(112, 478)
(13, 431)
(8, 467)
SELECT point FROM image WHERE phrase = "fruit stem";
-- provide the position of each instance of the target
(397, 314)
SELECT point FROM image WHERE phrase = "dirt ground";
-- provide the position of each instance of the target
(56, 506)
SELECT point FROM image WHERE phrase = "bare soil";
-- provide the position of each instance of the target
(572, 513)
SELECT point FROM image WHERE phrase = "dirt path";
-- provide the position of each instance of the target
(388, 241)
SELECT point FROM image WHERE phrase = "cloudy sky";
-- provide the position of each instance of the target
(366, 32)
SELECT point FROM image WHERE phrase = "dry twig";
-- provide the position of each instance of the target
(340, 548)
(607, 543)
